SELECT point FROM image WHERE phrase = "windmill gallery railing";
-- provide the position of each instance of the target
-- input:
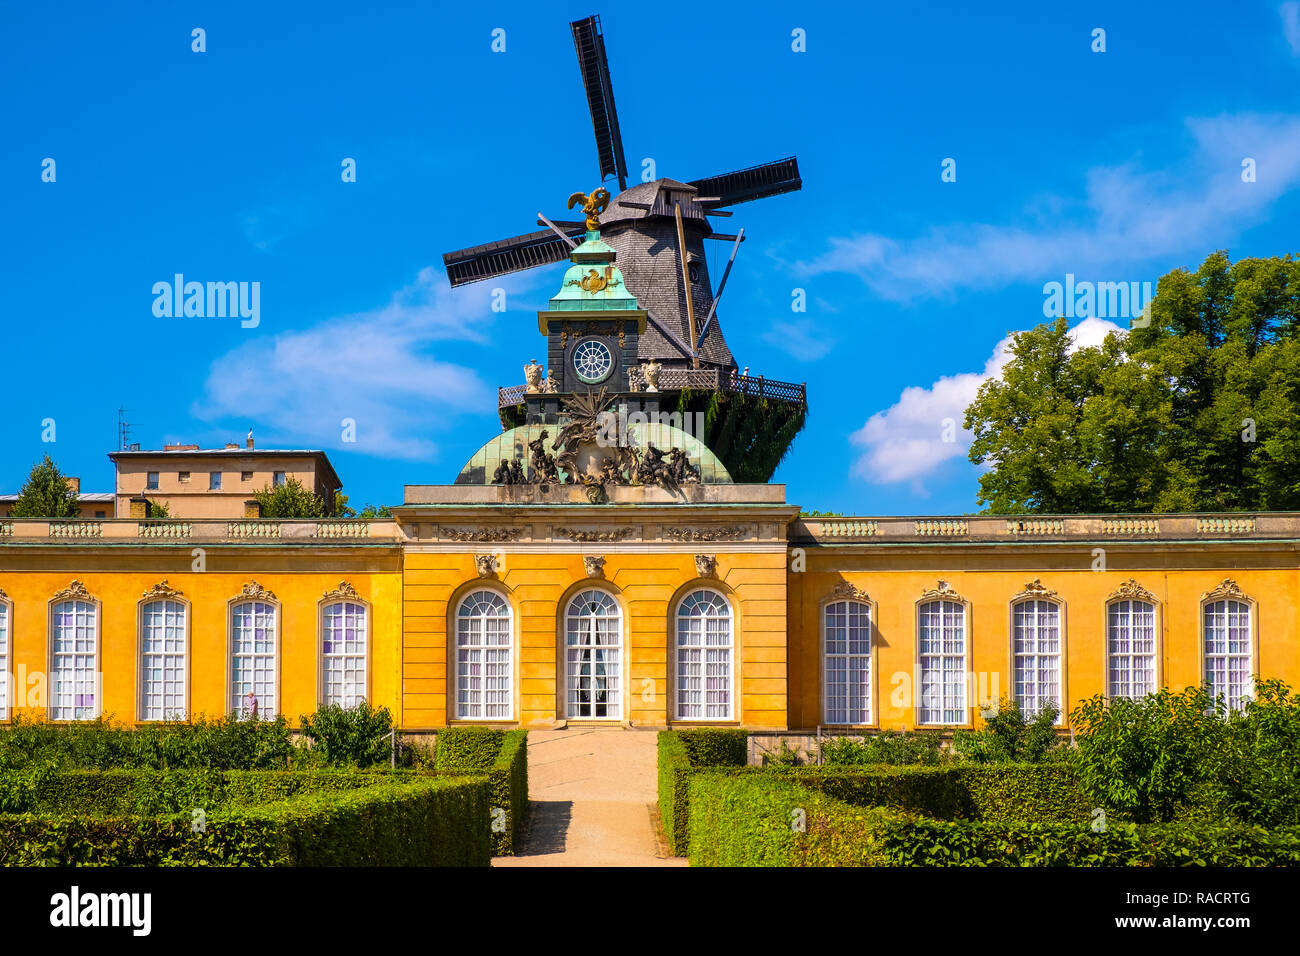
(699, 379)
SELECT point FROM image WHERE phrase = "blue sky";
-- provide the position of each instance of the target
(225, 166)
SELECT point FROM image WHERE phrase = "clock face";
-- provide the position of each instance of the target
(593, 361)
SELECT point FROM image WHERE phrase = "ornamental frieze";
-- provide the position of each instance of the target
(580, 534)
(481, 534)
(728, 533)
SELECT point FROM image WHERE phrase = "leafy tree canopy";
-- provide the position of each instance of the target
(1199, 410)
(46, 494)
(290, 500)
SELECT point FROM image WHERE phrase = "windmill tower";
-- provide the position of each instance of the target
(656, 232)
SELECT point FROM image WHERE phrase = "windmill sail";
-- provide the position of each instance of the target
(756, 182)
(590, 45)
(508, 255)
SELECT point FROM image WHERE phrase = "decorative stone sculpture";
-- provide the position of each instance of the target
(550, 386)
(533, 377)
(635, 382)
(706, 565)
(594, 565)
(650, 373)
(486, 564)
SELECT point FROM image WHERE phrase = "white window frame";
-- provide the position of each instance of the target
(688, 624)
(77, 674)
(589, 628)
(838, 666)
(1237, 612)
(472, 646)
(1129, 629)
(953, 708)
(361, 689)
(142, 702)
(6, 654)
(236, 700)
(1031, 652)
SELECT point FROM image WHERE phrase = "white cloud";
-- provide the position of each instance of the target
(799, 338)
(905, 441)
(1128, 216)
(1291, 25)
(374, 367)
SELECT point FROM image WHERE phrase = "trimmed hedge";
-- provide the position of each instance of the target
(680, 754)
(770, 820)
(503, 756)
(415, 821)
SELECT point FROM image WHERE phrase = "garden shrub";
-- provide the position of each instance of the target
(1009, 737)
(680, 753)
(1257, 776)
(503, 756)
(887, 747)
(410, 821)
(350, 736)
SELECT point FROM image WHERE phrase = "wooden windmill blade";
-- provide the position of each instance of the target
(590, 46)
(508, 255)
(746, 185)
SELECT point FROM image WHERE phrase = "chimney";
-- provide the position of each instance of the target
(180, 447)
(74, 485)
(249, 443)
(231, 444)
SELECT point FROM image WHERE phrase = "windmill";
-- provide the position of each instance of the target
(658, 230)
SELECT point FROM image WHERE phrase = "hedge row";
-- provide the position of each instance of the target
(415, 821)
(503, 756)
(681, 753)
(766, 820)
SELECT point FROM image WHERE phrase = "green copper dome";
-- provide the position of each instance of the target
(593, 282)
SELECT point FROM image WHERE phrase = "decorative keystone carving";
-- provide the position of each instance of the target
(1036, 589)
(1227, 589)
(1130, 590)
(943, 591)
(254, 590)
(594, 565)
(75, 591)
(345, 590)
(3, 595)
(845, 591)
(161, 590)
(486, 564)
(706, 565)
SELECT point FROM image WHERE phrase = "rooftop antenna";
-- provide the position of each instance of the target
(123, 430)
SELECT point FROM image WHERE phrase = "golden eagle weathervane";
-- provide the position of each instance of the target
(593, 205)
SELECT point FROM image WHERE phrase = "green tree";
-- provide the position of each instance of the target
(289, 500)
(46, 494)
(376, 511)
(1199, 410)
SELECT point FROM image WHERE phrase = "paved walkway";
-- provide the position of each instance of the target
(593, 794)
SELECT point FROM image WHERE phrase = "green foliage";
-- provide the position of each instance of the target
(887, 747)
(1008, 737)
(355, 736)
(1148, 757)
(680, 754)
(503, 756)
(786, 756)
(1257, 777)
(385, 821)
(45, 494)
(1153, 420)
(769, 820)
(158, 509)
(289, 500)
(376, 511)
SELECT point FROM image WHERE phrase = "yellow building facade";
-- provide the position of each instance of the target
(537, 607)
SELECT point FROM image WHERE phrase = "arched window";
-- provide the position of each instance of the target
(1036, 654)
(5, 617)
(162, 660)
(484, 654)
(704, 649)
(74, 660)
(846, 628)
(941, 643)
(253, 645)
(343, 653)
(1131, 647)
(593, 644)
(1228, 642)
